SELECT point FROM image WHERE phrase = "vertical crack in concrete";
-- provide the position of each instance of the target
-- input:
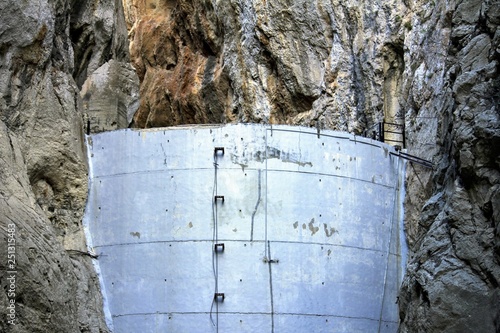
(269, 263)
(256, 206)
(164, 154)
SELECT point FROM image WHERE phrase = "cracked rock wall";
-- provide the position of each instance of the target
(451, 92)
(318, 63)
(48, 50)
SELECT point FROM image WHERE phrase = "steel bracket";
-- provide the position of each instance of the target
(219, 149)
(219, 248)
(221, 197)
(219, 297)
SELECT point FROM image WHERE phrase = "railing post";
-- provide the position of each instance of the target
(404, 136)
(381, 130)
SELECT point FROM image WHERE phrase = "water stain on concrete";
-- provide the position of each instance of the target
(242, 158)
(329, 231)
(287, 157)
(312, 228)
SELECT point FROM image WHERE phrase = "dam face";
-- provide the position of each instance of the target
(246, 228)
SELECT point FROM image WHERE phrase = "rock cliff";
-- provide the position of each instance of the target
(49, 49)
(430, 65)
(316, 63)
(451, 91)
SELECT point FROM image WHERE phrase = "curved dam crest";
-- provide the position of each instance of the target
(246, 228)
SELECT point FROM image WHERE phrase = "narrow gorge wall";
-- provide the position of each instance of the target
(451, 96)
(48, 50)
(313, 63)
(342, 65)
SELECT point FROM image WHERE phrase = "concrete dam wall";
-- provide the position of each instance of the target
(246, 228)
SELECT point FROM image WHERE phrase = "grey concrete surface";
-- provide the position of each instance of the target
(311, 224)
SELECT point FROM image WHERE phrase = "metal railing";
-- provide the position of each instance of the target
(388, 132)
(395, 131)
(378, 132)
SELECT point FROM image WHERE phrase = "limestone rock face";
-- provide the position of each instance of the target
(56, 288)
(108, 84)
(98, 34)
(110, 97)
(451, 95)
(48, 48)
(321, 63)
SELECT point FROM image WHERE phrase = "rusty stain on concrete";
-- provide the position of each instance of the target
(312, 228)
(329, 231)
